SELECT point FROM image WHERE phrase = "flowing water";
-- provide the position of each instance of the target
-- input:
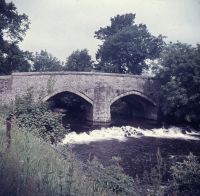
(136, 146)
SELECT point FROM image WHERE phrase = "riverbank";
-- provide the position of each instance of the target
(32, 167)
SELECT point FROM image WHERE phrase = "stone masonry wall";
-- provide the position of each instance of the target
(5, 89)
(99, 89)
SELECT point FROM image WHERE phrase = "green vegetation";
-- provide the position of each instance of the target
(38, 118)
(45, 61)
(79, 61)
(126, 46)
(178, 71)
(186, 176)
(13, 27)
(32, 167)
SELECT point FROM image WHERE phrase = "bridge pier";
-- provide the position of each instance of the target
(101, 114)
(101, 107)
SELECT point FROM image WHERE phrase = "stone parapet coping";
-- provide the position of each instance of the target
(5, 77)
(78, 73)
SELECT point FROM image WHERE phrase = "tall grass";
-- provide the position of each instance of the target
(32, 167)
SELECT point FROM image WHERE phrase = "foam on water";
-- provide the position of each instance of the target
(122, 133)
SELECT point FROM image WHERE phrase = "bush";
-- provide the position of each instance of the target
(186, 176)
(36, 116)
(111, 177)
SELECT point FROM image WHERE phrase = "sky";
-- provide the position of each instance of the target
(63, 26)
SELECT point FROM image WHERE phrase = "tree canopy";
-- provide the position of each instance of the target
(79, 60)
(44, 61)
(179, 74)
(13, 27)
(126, 46)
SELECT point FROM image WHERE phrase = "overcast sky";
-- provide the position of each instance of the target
(62, 26)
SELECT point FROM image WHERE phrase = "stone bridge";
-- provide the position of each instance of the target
(99, 90)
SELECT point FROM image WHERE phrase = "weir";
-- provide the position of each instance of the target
(100, 90)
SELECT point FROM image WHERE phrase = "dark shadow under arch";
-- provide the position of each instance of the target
(130, 107)
(76, 107)
(73, 91)
(133, 93)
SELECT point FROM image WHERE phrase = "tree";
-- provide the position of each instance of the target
(44, 61)
(126, 46)
(179, 75)
(79, 61)
(13, 27)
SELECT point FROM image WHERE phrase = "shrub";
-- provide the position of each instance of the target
(111, 177)
(36, 116)
(186, 176)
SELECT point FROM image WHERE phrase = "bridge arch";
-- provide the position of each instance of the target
(70, 90)
(133, 105)
(133, 93)
(85, 104)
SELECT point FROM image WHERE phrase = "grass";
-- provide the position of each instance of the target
(32, 167)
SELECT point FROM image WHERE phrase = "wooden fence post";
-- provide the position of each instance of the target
(8, 130)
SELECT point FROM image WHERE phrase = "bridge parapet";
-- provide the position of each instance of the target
(101, 90)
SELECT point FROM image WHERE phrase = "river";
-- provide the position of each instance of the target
(137, 147)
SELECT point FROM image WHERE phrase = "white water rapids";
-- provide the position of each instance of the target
(124, 132)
